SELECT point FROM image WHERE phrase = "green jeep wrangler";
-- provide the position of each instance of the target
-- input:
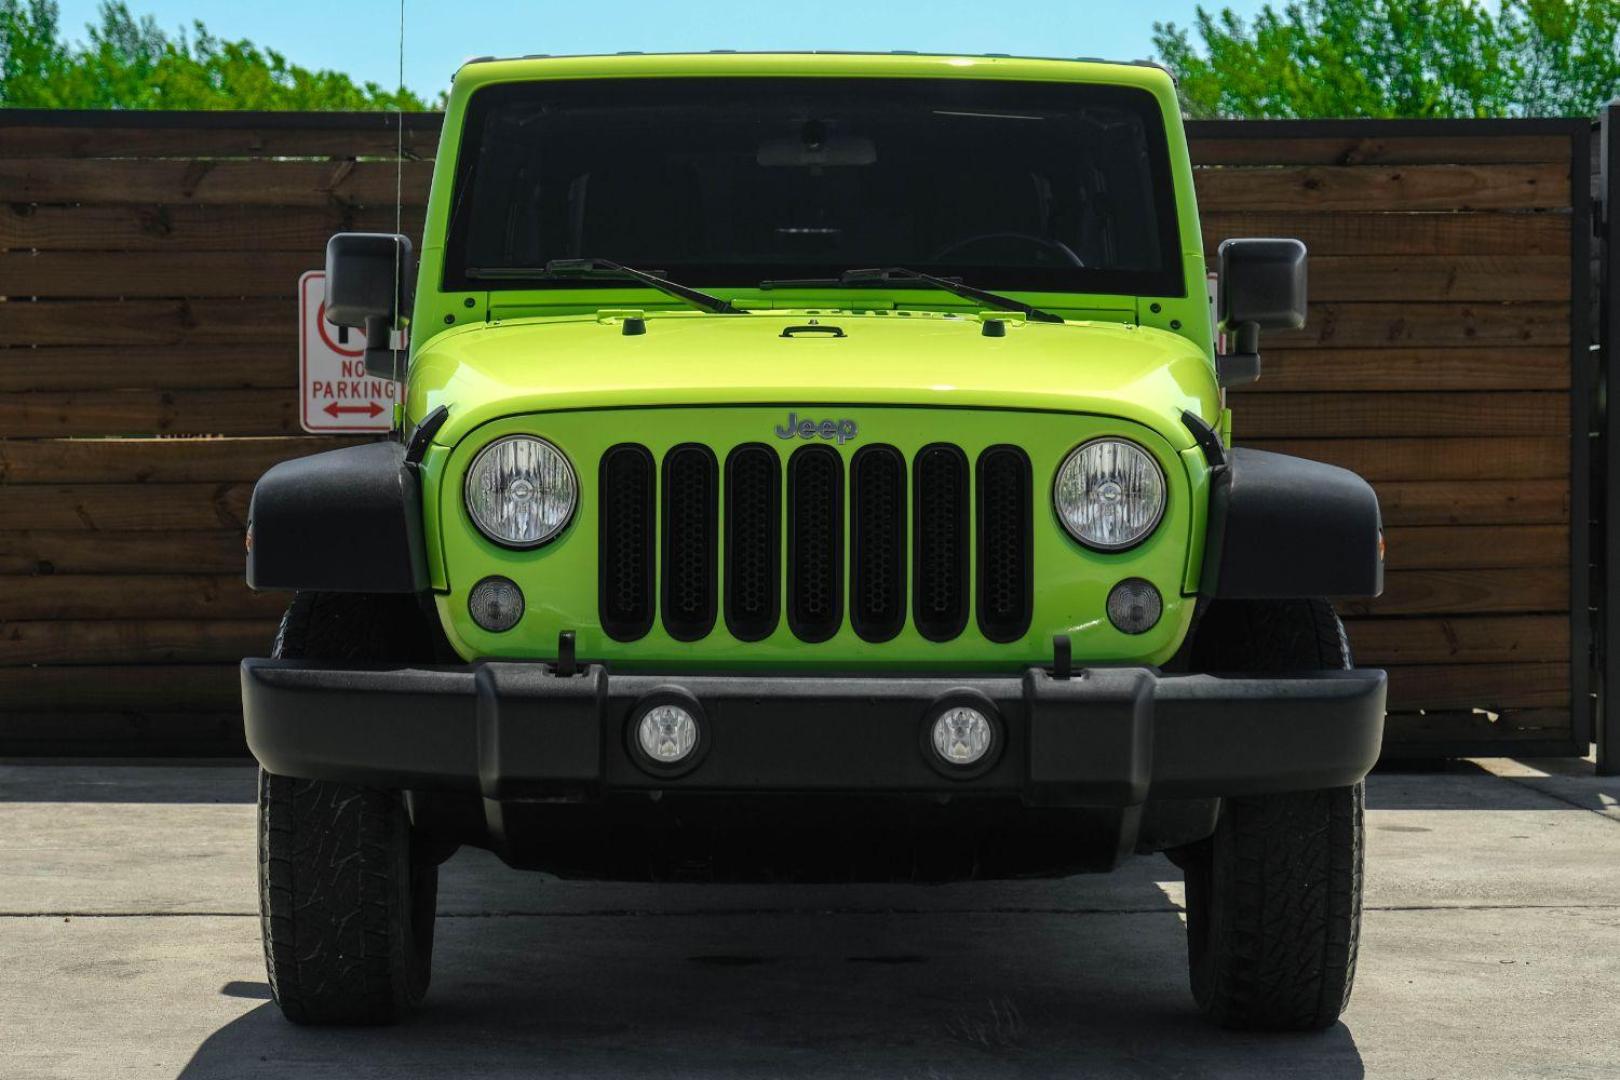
(813, 468)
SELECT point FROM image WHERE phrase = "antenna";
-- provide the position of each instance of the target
(399, 218)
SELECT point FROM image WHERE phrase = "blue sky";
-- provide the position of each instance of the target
(361, 36)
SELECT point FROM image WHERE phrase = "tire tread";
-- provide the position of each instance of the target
(1274, 897)
(337, 901)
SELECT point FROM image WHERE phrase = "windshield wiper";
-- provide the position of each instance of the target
(563, 269)
(899, 275)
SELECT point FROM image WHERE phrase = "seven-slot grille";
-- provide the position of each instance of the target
(676, 538)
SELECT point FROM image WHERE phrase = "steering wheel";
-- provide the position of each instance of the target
(1063, 251)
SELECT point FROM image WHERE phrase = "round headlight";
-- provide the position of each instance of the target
(1109, 494)
(521, 491)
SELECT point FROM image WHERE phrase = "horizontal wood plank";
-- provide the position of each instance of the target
(227, 182)
(1471, 639)
(1484, 368)
(147, 461)
(110, 367)
(1473, 503)
(1379, 149)
(1498, 547)
(1439, 277)
(146, 322)
(382, 138)
(1495, 687)
(120, 507)
(136, 596)
(1523, 457)
(125, 733)
(134, 641)
(1487, 232)
(1534, 590)
(1419, 413)
(167, 688)
(154, 551)
(1388, 324)
(149, 412)
(104, 274)
(1377, 187)
(155, 228)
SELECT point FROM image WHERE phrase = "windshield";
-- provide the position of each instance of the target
(732, 181)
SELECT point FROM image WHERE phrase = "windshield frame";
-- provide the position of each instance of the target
(1168, 280)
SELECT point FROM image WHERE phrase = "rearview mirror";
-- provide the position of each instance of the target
(816, 148)
(368, 286)
(1262, 287)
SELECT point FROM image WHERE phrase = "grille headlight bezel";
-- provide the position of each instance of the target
(530, 477)
(1075, 461)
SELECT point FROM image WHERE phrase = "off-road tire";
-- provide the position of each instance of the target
(346, 905)
(1274, 897)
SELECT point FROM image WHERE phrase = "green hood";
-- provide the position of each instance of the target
(512, 367)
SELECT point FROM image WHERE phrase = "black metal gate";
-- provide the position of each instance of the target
(1606, 218)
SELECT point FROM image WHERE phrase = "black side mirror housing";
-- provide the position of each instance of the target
(369, 278)
(1262, 287)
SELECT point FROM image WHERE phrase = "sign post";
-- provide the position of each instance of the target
(335, 393)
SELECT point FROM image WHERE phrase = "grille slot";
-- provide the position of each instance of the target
(753, 541)
(940, 562)
(625, 552)
(1006, 536)
(690, 538)
(877, 528)
(815, 542)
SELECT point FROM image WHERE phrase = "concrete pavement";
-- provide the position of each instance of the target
(129, 947)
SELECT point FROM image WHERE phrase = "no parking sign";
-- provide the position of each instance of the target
(335, 392)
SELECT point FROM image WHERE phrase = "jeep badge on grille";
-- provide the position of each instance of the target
(841, 430)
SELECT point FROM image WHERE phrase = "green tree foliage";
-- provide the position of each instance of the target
(1438, 58)
(129, 63)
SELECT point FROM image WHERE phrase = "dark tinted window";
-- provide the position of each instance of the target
(733, 181)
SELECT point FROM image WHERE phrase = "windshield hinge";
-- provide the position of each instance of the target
(1206, 437)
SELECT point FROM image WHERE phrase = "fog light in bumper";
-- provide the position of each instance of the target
(1134, 606)
(495, 604)
(962, 736)
(667, 734)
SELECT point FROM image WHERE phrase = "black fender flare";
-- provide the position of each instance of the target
(1283, 527)
(346, 520)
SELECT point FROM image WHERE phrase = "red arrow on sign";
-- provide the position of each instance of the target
(335, 409)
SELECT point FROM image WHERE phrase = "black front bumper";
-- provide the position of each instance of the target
(1107, 737)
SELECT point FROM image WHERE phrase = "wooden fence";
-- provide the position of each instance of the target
(148, 362)
(1446, 360)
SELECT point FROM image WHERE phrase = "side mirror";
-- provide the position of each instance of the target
(369, 279)
(1262, 287)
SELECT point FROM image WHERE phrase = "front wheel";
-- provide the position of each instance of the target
(346, 896)
(1274, 910)
(1274, 897)
(347, 907)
